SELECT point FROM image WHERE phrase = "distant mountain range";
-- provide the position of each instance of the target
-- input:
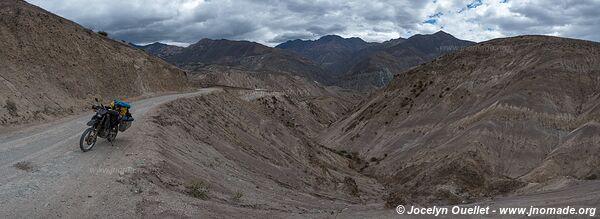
(331, 51)
(160, 50)
(357, 64)
(242, 55)
(331, 60)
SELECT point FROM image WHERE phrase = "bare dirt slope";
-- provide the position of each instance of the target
(50, 67)
(249, 155)
(482, 121)
(45, 174)
(323, 105)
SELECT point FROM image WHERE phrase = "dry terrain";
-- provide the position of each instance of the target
(52, 67)
(45, 174)
(481, 122)
(507, 122)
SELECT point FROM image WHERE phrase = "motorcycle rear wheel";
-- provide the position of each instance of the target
(87, 140)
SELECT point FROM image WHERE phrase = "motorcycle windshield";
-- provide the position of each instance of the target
(101, 112)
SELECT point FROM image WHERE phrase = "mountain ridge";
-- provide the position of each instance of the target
(334, 60)
(245, 55)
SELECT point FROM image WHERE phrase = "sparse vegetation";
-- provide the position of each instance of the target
(591, 177)
(24, 165)
(103, 33)
(351, 186)
(237, 196)
(198, 189)
(11, 107)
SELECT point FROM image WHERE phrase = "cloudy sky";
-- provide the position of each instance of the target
(270, 22)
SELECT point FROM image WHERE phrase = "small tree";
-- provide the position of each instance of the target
(103, 33)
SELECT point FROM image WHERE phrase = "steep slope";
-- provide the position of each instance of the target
(245, 153)
(329, 51)
(243, 55)
(481, 121)
(576, 156)
(375, 66)
(315, 106)
(51, 67)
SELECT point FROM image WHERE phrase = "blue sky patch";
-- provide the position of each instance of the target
(432, 19)
(474, 4)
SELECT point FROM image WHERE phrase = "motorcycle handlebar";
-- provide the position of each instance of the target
(96, 107)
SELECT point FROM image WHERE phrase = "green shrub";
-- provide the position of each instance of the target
(198, 189)
(237, 196)
(103, 33)
(11, 107)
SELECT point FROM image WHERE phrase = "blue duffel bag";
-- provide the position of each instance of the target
(121, 103)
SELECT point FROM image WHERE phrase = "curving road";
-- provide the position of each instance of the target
(45, 174)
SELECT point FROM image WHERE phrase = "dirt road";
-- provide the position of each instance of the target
(44, 173)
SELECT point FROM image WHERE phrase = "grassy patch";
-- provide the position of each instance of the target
(198, 189)
(237, 196)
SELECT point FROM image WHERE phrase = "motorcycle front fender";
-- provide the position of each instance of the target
(91, 122)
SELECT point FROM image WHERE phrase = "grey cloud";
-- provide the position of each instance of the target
(318, 30)
(578, 19)
(275, 21)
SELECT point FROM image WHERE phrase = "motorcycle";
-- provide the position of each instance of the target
(104, 124)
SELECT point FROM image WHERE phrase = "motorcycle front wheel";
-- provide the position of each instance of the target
(113, 134)
(87, 140)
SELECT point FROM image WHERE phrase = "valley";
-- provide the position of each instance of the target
(324, 128)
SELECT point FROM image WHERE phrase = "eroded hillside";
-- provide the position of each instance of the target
(482, 121)
(249, 150)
